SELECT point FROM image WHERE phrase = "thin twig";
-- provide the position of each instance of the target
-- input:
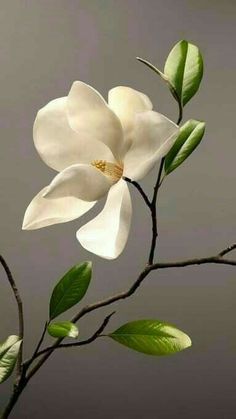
(140, 189)
(28, 362)
(227, 250)
(190, 262)
(19, 307)
(92, 338)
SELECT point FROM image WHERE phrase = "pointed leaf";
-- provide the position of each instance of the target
(189, 137)
(151, 337)
(8, 356)
(70, 289)
(63, 329)
(184, 69)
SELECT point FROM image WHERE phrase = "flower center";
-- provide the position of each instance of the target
(112, 170)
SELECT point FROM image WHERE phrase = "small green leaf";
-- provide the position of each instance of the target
(63, 329)
(9, 350)
(184, 69)
(70, 289)
(151, 337)
(189, 137)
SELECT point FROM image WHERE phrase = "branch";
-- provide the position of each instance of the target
(19, 307)
(218, 259)
(92, 338)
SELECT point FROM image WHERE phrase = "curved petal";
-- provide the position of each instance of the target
(106, 235)
(58, 144)
(154, 135)
(43, 212)
(126, 102)
(89, 113)
(82, 181)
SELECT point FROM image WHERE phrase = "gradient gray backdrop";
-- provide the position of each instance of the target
(44, 46)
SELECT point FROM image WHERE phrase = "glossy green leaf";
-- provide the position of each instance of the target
(189, 137)
(184, 70)
(9, 350)
(151, 337)
(63, 329)
(70, 289)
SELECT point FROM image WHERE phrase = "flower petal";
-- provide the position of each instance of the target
(89, 113)
(58, 144)
(126, 102)
(43, 212)
(106, 235)
(82, 181)
(154, 135)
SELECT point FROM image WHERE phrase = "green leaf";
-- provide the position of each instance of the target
(184, 69)
(189, 137)
(70, 289)
(9, 350)
(63, 329)
(151, 337)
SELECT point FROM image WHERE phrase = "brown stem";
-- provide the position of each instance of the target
(140, 189)
(153, 207)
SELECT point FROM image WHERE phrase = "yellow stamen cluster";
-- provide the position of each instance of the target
(113, 170)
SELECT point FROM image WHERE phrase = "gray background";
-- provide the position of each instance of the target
(44, 47)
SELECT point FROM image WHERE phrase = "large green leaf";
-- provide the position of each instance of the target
(9, 350)
(184, 69)
(70, 289)
(151, 337)
(63, 329)
(188, 139)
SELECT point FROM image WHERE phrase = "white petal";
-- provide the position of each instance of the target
(43, 212)
(154, 136)
(89, 113)
(82, 181)
(126, 102)
(58, 144)
(106, 235)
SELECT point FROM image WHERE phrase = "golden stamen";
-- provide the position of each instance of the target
(112, 170)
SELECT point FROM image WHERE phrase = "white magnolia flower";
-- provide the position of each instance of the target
(93, 145)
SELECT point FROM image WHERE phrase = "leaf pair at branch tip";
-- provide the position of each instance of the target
(183, 72)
